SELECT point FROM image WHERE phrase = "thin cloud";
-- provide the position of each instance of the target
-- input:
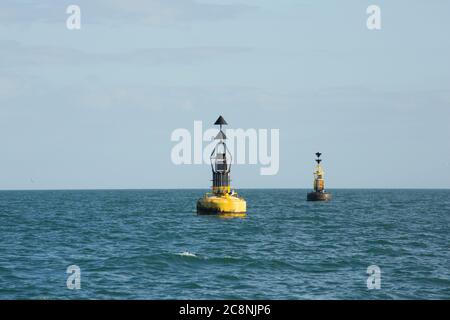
(147, 12)
(13, 53)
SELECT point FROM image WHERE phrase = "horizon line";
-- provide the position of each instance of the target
(251, 188)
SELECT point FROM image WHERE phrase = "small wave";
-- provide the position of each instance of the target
(227, 257)
(187, 254)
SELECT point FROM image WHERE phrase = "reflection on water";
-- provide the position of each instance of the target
(227, 215)
(232, 215)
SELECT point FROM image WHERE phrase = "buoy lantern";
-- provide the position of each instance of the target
(319, 193)
(222, 199)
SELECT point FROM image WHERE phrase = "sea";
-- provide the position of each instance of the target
(151, 244)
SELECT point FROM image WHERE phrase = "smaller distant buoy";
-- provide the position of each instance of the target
(319, 193)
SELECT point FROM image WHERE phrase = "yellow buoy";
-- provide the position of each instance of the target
(319, 193)
(222, 199)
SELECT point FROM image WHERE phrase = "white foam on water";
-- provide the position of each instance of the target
(187, 254)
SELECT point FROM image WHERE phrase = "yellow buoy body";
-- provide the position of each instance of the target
(221, 204)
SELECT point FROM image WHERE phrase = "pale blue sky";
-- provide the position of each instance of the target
(95, 108)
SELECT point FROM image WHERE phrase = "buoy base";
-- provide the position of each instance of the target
(221, 205)
(319, 196)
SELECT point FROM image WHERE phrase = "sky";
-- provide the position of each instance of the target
(96, 107)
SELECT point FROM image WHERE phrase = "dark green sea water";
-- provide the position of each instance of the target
(150, 244)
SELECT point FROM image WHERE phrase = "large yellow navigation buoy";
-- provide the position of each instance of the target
(222, 199)
(319, 193)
